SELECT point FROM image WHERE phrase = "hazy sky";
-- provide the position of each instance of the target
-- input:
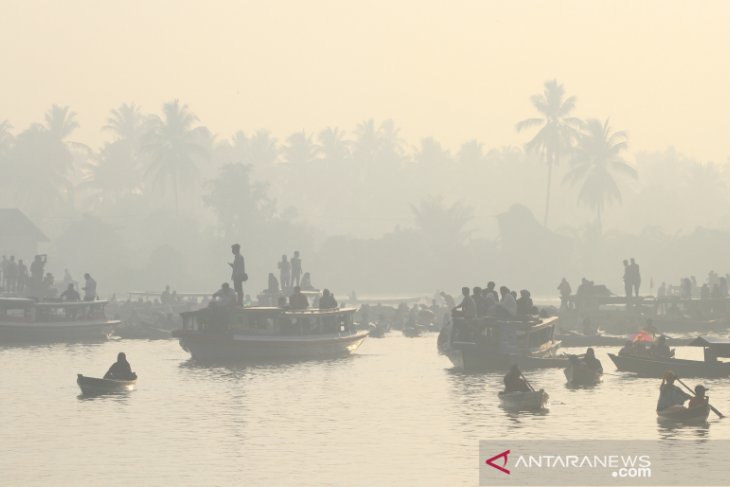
(454, 70)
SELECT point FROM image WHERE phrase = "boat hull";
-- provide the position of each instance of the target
(681, 414)
(246, 348)
(525, 401)
(655, 367)
(582, 375)
(92, 386)
(62, 331)
(470, 357)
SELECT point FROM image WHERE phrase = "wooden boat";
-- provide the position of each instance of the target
(681, 414)
(579, 374)
(262, 334)
(91, 386)
(487, 344)
(656, 367)
(29, 320)
(525, 401)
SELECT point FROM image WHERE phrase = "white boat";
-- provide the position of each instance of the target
(527, 401)
(262, 334)
(29, 320)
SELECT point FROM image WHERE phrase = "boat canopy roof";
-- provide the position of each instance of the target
(719, 346)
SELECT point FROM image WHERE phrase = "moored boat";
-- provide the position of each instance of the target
(486, 344)
(91, 386)
(526, 401)
(681, 414)
(29, 320)
(656, 366)
(579, 374)
(263, 334)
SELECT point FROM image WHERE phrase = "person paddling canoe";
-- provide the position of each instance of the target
(514, 382)
(669, 394)
(700, 398)
(120, 370)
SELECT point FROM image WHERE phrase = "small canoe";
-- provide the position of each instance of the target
(681, 414)
(527, 401)
(582, 375)
(93, 386)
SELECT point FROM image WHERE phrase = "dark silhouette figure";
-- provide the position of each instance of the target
(238, 272)
(70, 294)
(298, 300)
(635, 277)
(296, 269)
(669, 394)
(591, 361)
(565, 290)
(120, 370)
(525, 307)
(37, 270)
(225, 296)
(327, 301)
(273, 286)
(491, 290)
(480, 301)
(284, 273)
(468, 307)
(89, 288)
(514, 382)
(628, 284)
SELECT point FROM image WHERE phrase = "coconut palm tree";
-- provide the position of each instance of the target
(300, 149)
(558, 129)
(597, 164)
(334, 146)
(176, 147)
(444, 226)
(127, 122)
(61, 121)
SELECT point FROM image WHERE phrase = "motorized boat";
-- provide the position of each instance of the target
(486, 344)
(91, 386)
(649, 366)
(30, 320)
(526, 401)
(260, 334)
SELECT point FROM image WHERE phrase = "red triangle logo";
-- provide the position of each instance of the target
(504, 456)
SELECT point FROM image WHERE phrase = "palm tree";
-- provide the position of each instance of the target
(176, 147)
(300, 149)
(596, 163)
(263, 148)
(335, 148)
(471, 154)
(127, 122)
(558, 131)
(61, 121)
(444, 226)
(431, 153)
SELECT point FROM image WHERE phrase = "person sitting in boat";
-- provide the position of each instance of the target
(660, 348)
(514, 382)
(70, 294)
(507, 307)
(669, 394)
(481, 303)
(273, 286)
(225, 296)
(89, 288)
(298, 300)
(591, 361)
(120, 370)
(327, 301)
(700, 398)
(525, 307)
(306, 282)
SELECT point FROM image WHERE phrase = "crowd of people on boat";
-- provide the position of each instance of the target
(505, 304)
(19, 279)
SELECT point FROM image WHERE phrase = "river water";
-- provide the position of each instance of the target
(392, 414)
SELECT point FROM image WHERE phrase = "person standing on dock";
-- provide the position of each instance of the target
(238, 273)
(628, 285)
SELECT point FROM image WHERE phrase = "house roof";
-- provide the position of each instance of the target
(13, 223)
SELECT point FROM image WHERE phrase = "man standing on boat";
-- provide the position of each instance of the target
(296, 269)
(89, 288)
(238, 274)
(635, 277)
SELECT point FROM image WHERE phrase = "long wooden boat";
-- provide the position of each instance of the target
(657, 367)
(91, 386)
(526, 401)
(28, 320)
(681, 414)
(487, 344)
(262, 334)
(582, 375)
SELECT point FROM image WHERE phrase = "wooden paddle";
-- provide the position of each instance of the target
(527, 382)
(719, 414)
